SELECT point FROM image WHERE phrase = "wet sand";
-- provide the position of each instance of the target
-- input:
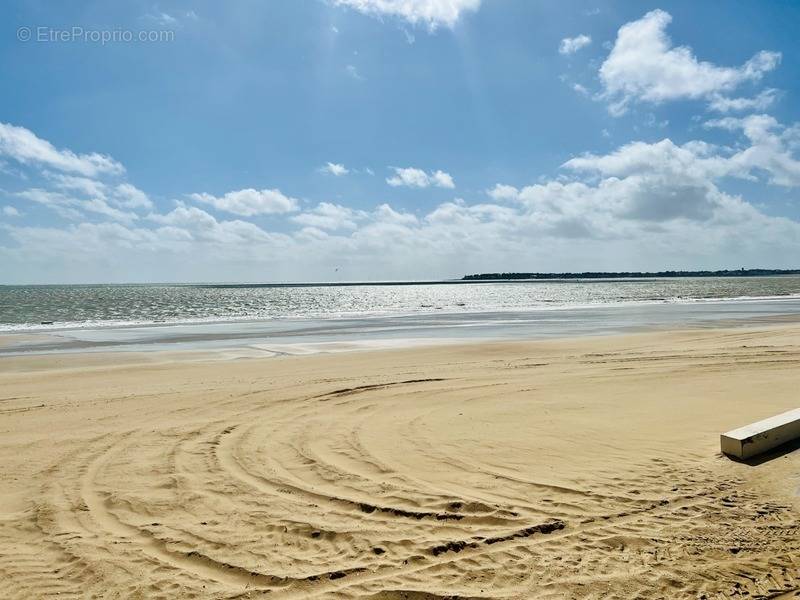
(581, 468)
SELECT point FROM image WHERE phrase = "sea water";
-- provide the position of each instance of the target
(142, 317)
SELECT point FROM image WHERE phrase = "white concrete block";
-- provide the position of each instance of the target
(756, 438)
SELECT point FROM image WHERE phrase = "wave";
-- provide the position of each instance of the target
(542, 305)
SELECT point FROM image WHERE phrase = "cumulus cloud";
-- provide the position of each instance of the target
(335, 169)
(123, 195)
(641, 206)
(83, 185)
(183, 215)
(413, 177)
(10, 211)
(23, 146)
(625, 208)
(442, 179)
(572, 45)
(433, 13)
(329, 216)
(762, 101)
(249, 202)
(118, 252)
(460, 213)
(74, 186)
(770, 154)
(130, 196)
(386, 214)
(653, 195)
(644, 66)
(503, 192)
(199, 225)
(770, 151)
(72, 207)
(659, 191)
(695, 160)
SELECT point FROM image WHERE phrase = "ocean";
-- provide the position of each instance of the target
(149, 316)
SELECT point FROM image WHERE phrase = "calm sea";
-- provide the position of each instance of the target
(99, 306)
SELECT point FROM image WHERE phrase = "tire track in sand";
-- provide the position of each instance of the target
(196, 563)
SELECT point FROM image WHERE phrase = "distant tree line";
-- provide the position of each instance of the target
(633, 274)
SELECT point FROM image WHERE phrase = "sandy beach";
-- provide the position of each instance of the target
(576, 468)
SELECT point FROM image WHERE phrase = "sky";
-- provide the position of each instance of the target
(367, 140)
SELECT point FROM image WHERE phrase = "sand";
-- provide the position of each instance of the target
(584, 468)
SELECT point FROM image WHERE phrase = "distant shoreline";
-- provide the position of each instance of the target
(631, 274)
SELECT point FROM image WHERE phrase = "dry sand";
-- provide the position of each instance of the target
(564, 469)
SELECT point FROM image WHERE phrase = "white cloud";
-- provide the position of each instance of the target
(167, 20)
(442, 179)
(641, 206)
(460, 213)
(386, 214)
(644, 66)
(762, 101)
(651, 121)
(130, 196)
(101, 207)
(572, 45)
(10, 211)
(249, 202)
(580, 89)
(23, 146)
(83, 185)
(433, 13)
(694, 164)
(330, 216)
(117, 252)
(85, 240)
(413, 177)
(770, 151)
(353, 72)
(72, 208)
(190, 217)
(163, 19)
(334, 169)
(123, 195)
(199, 225)
(409, 177)
(62, 205)
(503, 192)
(654, 194)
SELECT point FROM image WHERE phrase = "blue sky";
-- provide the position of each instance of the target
(385, 139)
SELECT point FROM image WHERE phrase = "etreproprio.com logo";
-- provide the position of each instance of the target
(55, 35)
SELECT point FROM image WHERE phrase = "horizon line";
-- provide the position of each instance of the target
(484, 277)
